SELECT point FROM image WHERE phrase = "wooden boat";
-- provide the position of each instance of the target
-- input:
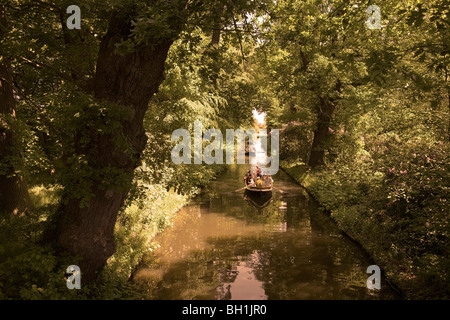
(263, 189)
(265, 186)
(259, 194)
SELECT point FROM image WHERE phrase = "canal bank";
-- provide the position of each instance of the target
(393, 234)
(300, 174)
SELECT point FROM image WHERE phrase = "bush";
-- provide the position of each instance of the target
(137, 225)
(393, 199)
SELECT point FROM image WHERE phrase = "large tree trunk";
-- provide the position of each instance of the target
(321, 134)
(215, 38)
(14, 197)
(130, 81)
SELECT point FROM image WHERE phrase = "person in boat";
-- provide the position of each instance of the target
(258, 172)
(267, 180)
(259, 182)
(248, 178)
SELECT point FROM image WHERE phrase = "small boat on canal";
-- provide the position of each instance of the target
(258, 184)
(258, 189)
(262, 186)
(259, 194)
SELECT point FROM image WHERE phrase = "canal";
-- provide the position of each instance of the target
(221, 246)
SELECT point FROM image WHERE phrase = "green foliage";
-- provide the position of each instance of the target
(392, 198)
(137, 225)
(385, 179)
(403, 230)
(386, 171)
(26, 157)
(29, 270)
(295, 141)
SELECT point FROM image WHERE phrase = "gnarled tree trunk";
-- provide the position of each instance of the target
(128, 80)
(321, 134)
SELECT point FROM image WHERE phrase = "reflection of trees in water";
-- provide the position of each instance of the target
(226, 276)
(240, 209)
(310, 259)
(288, 268)
(258, 201)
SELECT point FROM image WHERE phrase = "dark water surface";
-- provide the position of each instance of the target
(222, 247)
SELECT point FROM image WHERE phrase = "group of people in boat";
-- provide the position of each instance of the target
(256, 178)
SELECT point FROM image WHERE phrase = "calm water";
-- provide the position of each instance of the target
(223, 247)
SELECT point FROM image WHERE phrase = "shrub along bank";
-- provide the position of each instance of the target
(399, 216)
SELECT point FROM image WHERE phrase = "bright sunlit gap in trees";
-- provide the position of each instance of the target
(260, 117)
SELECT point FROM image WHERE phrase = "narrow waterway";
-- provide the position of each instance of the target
(223, 247)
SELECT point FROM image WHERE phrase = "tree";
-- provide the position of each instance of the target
(318, 57)
(126, 81)
(96, 84)
(14, 197)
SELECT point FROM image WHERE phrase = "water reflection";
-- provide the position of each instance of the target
(259, 201)
(241, 283)
(223, 247)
